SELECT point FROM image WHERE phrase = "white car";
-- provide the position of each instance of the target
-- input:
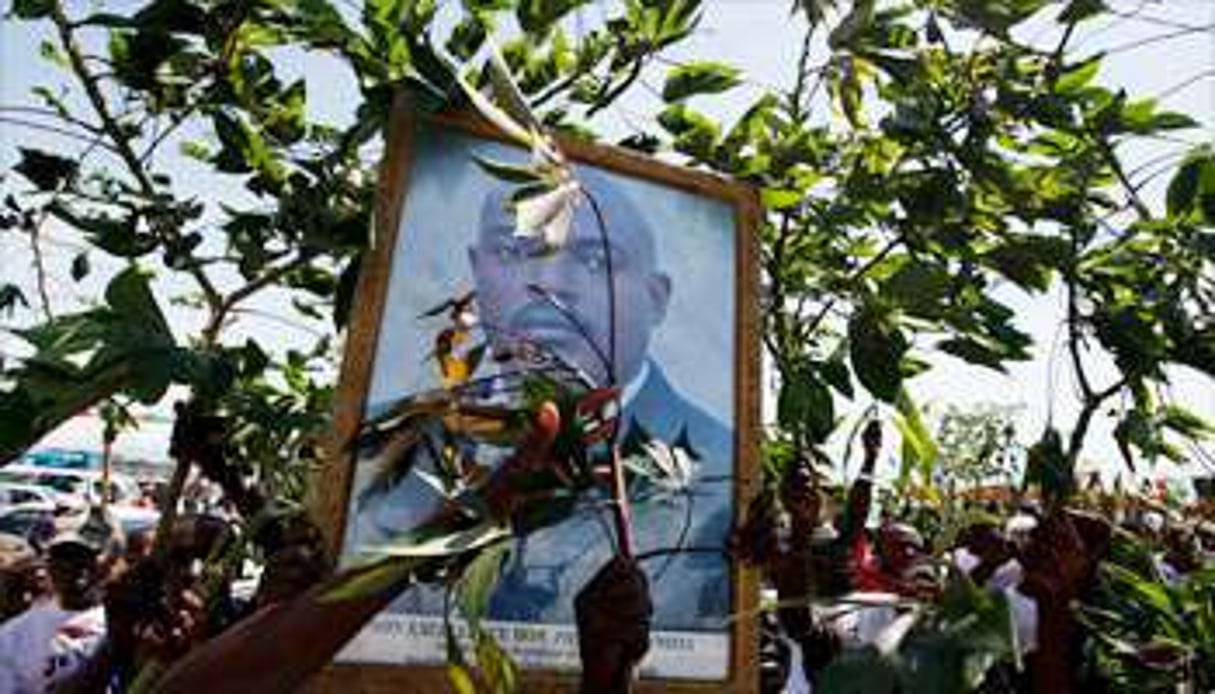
(15, 496)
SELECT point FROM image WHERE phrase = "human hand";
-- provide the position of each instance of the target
(1056, 562)
(152, 618)
(871, 438)
(613, 612)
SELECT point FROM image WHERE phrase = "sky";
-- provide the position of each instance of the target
(762, 38)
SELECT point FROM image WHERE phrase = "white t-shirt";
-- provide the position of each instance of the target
(45, 645)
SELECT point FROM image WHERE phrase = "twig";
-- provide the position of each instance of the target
(798, 94)
(51, 113)
(1111, 159)
(663, 551)
(858, 274)
(620, 499)
(683, 535)
(1159, 37)
(577, 324)
(120, 142)
(176, 122)
(220, 312)
(606, 99)
(601, 223)
(63, 132)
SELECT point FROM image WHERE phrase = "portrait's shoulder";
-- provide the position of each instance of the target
(669, 416)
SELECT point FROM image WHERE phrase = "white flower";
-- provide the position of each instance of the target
(549, 215)
(676, 468)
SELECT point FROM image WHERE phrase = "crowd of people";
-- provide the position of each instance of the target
(96, 608)
(837, 582)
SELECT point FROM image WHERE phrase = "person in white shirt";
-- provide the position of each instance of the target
(47, 643)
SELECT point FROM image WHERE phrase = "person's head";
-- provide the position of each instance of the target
(799, 494)
(295, 557)
(75, 572)
(1062, 553)
(900, 547)
(1181, 548)
(985, 540)
(518, 283)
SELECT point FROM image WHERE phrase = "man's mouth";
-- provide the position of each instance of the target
(542, 320)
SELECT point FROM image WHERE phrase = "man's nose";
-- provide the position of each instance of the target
(554, 277)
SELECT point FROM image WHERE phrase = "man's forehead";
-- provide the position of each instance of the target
(626, 225)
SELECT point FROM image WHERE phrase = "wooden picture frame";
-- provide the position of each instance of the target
(333, 486)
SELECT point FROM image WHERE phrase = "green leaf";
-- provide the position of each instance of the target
(997, 16)
(860, 671)
(779, 198)
(119, 237)
(805, 406)
(1029, 259)
(131, 298)
(703, 77)
(1047, 466)
(1184, 189)
(496, 665)
(374, 580)
(1076, 77)
(919, 288)
(45, 170)
(343, 295)
(511, 173)
(877, 347)
(32, 9)
(439, 542)
(835, 372)
(1080, 10)
(479, 580)
(467, 37)
(695, 133)
(460, 679)
(1185, 422)
(973, 351)
(920, 451)
(536, 17)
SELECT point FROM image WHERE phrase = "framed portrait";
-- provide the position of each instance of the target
(685, 357)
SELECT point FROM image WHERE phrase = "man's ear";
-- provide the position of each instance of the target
(659, 288)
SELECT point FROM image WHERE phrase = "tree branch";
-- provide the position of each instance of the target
(63, 132)
(120, 142)
(51, 113)
(1111, 160)
(220, 312)
(858, 274)
(606, 100)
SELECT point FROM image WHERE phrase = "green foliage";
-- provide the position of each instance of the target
(978, 445)
(699, 78)
(1149, 635)
(805, 407)
(80, 359)
(949, 648)
(877, 347)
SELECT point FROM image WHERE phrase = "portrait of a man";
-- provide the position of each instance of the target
(671, 261)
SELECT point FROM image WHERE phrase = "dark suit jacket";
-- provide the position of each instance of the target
(550, 565)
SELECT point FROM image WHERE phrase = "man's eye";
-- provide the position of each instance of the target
(592, 258)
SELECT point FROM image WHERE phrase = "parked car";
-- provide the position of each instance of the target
(34, 525)
(17, 496)
(75, 487)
